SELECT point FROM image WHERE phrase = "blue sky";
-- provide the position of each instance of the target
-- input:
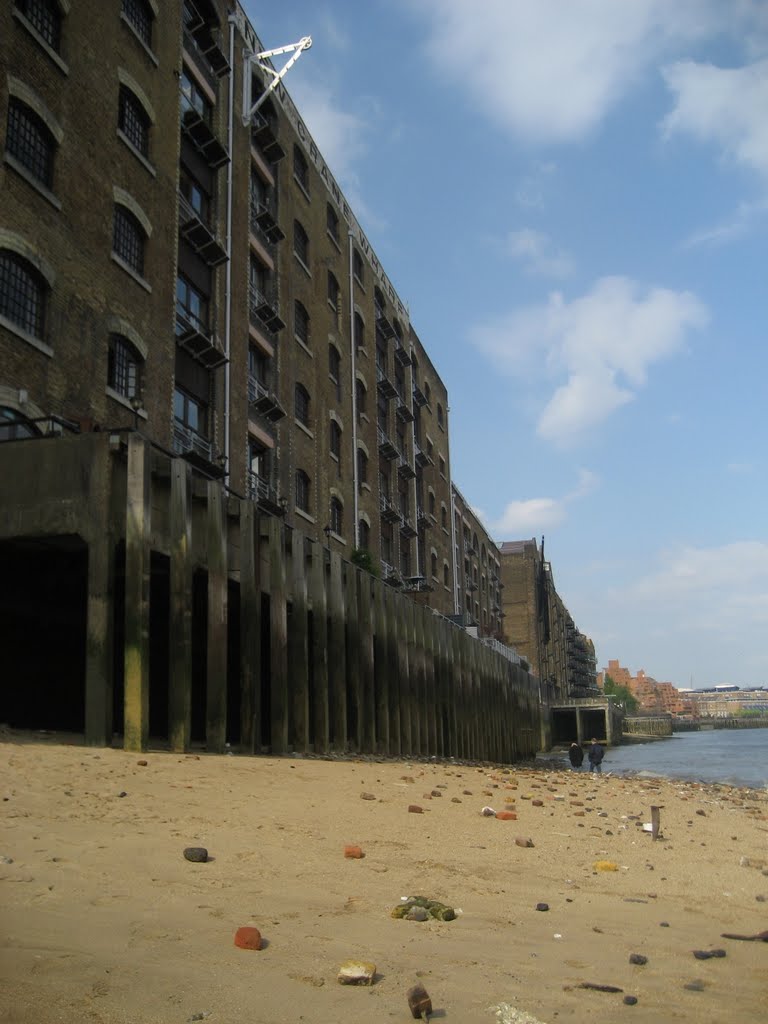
(572, 198)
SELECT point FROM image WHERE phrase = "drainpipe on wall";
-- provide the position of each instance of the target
(353, 364)
(228, 273)
(456, 605)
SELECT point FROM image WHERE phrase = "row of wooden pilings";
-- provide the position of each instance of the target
(650, 725)
(330, 658)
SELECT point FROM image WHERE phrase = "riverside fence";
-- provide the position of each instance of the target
(189, 617)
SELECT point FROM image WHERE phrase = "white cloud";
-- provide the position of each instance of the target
(539, 254)
(709, 587)
(726, 106)
(339, 134)
(550, 71)
(603, 344)
(530, 516)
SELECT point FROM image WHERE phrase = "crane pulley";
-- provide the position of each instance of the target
(260, 61)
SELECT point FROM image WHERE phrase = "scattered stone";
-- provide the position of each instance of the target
(415, 809)
(605, 865)
(455, 800)
(197, 854)
(367, 796)
(353, 853)
(506, 816)
(599, 988)
(638, 958)
(523, 841)
(467, 792)
(356, 972)
(407, 778)
(695, 986)
(440, 911)
(630, 1000)
(761, 898)
(752, 862)
(6, 860)
(435, 792)
(664, 924)
(417, 914)
(708, 954)
(419, 1002)
(702, 814)
(248, 937)
(542, 907)
(537, 803)
(122, 794)
(488, 812)
(142, 764)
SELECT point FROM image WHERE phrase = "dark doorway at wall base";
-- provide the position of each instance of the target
(43, 602)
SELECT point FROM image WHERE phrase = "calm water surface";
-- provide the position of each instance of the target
(738, 757)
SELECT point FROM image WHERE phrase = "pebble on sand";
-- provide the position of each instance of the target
(419, 1002)
(353, 852)
(524, 841)
(196, 854)
(415, 809)
(248, 937)
(356, 972)
(506, 815)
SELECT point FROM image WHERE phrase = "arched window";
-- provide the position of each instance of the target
(301, 243)
(128, 238)
(300, 168)
(335, 439)
(445, 574)
(359, 331)
(333, 291)
(334, 368)
(302, 490)
(364, 535)
(427, 392)
(139, 15)
(337, 516)
(332, 222)
(361, 394)
(29, 140)
(45, 16)
(440, 416)
(133, 120)
(357, 266)
(124, 367)
(433, 565)
(431, 503)
(301, 404)
(301, 322)
(483, 557)
(362, 467)
(444, 517)
(23, 293)
(13, 425)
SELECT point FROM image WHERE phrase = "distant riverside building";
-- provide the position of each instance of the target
(664, 698)
(539, 626)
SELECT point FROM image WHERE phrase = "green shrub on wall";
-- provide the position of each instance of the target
(363, 558)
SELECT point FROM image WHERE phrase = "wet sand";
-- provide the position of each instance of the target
(103, 920)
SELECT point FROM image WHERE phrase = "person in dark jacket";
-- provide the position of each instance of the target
(576, 756)
(596, 755)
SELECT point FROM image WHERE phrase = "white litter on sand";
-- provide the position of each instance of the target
(507, 1014)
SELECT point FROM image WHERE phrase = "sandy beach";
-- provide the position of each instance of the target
(103, 919)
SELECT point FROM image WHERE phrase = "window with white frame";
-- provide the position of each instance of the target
(124, 366)
(23, 293)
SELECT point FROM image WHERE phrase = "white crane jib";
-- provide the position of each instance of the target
(260, 60)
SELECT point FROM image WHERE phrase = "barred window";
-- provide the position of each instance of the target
(22, 293)
(30, 142)
(300, 168)
(301, 243)
(301, 404)
(133, 120)
(45, 17)
(124, 367)
(359, 331)
(334, 369)
(337, 516)
(364, 532)
(362, 398)
(128, 239)
(357, 266)
(332, 222)
(302, 490)
(301, 322)
(139, 14)
(362, 467)
(335, 439)
(333, 291)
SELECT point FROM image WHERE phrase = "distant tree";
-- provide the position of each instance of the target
(363, 558)
(622, 693)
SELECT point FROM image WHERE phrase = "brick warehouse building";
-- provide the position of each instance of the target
(192, 272)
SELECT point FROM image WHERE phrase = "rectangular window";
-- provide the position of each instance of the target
(194, 193)
(191, 304)
(45, 17)
(300, 168)
(193, 99)
(29, 140)
(123, 368)
(188, 411)
(332, 222)
(301, 243)
(139, 14)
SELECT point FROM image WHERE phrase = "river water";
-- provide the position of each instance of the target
(737, 757)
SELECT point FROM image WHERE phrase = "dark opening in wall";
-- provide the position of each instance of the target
(43, 603)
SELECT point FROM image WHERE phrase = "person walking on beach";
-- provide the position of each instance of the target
(596, 755)
(576, 756)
